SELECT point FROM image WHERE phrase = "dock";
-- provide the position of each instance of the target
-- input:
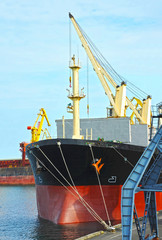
(117, 235)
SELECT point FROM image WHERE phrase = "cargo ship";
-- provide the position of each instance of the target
(78, 175)
(16, 171)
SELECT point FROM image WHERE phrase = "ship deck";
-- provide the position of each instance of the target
(117, 235)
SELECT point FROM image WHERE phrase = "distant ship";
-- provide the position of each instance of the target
(16, 171)
(79, 179)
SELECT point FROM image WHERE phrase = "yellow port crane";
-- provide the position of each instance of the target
(36, 131)
(119, 101)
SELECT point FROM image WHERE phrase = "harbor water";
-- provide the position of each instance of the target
(19, 218)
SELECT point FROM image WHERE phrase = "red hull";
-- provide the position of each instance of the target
(17, 180)
(58, 205)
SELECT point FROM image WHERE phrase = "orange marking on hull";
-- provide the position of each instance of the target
(96, 165)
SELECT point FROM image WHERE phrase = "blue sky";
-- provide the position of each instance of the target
(34, 57)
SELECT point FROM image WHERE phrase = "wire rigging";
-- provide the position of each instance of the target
(87, 87)
(69, 40)
(69, 52)
(106, 65)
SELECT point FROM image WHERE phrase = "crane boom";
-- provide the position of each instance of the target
(36, 131)
(120, 101)
(98, 69)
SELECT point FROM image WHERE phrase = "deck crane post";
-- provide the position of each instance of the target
(36, 131)
(120, 101)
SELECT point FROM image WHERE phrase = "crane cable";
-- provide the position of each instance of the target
(87, 87)
(69, 53)
(103, 62)
(118, 78)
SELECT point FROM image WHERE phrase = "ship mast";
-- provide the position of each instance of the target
(76, 97)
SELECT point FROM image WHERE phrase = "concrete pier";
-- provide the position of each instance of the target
(117, 235)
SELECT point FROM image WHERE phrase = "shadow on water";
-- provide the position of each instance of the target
(46, 230)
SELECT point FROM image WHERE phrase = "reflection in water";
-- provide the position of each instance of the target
(45, 230)
(19, 220)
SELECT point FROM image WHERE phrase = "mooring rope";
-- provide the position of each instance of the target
(81, 200)
(99, 220)
(125, 159)
(103, 198)
(59, 145)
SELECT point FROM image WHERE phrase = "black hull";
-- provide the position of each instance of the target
(117, 159)
(51, 160)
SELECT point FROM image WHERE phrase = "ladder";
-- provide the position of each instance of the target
(147, 178)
